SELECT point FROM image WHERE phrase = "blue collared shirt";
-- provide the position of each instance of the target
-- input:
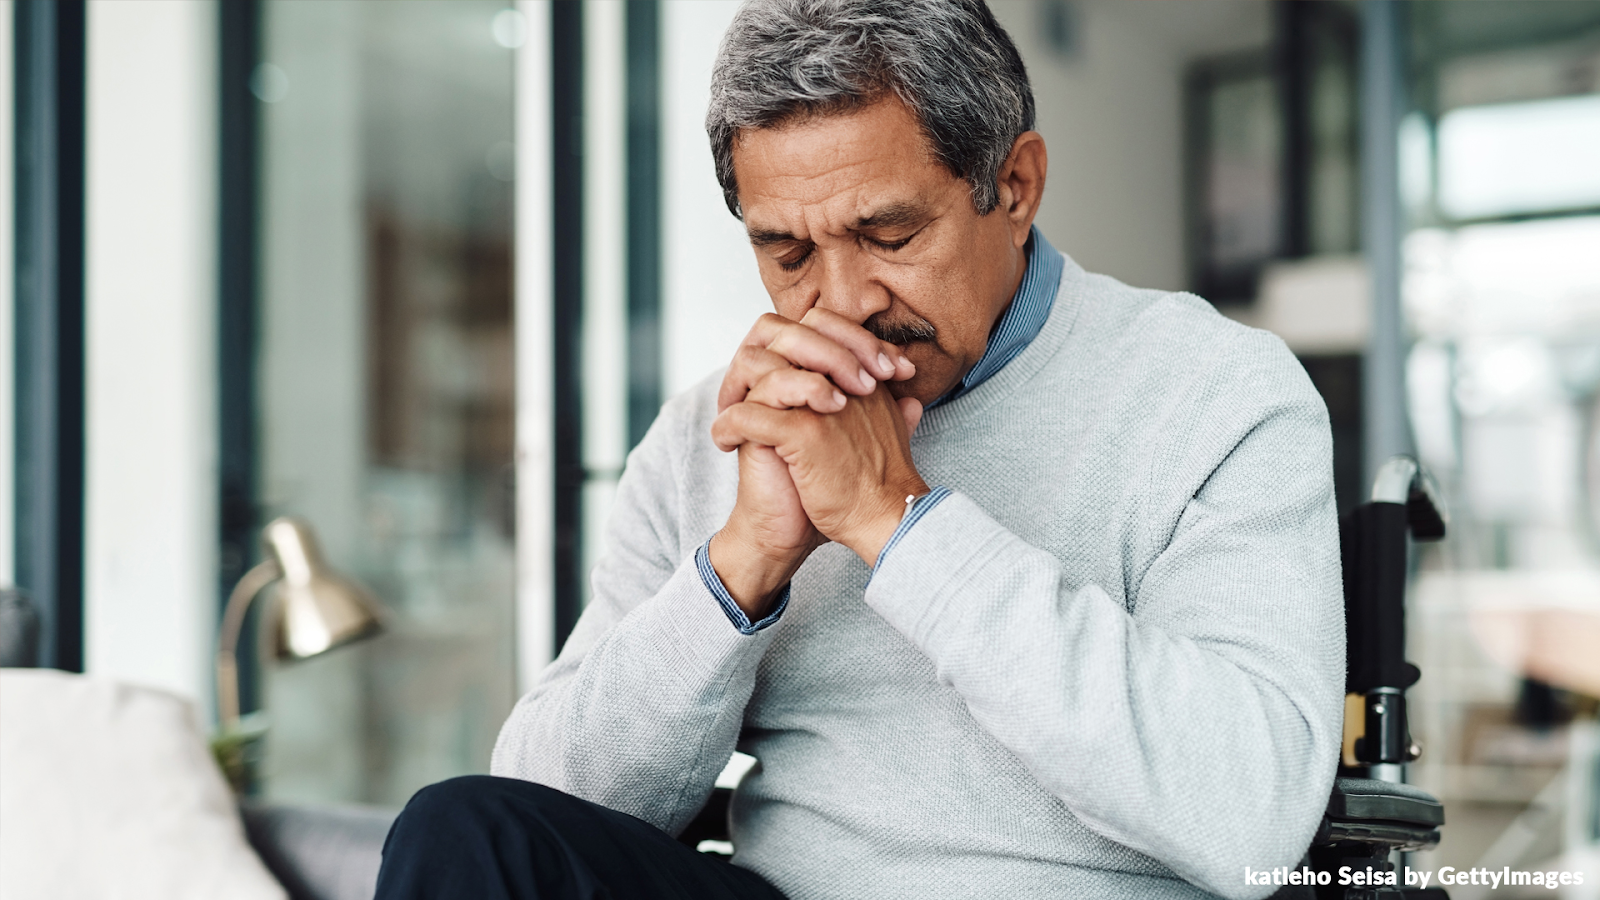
(1018, 326)
(1021, 321)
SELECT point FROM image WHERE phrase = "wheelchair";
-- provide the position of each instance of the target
(1370, 815)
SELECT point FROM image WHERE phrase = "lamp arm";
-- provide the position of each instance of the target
(261, 575)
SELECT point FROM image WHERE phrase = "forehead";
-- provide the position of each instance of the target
(850, 163)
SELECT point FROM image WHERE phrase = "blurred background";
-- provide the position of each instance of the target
(422, 272)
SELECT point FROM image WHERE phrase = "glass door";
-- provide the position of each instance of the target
(384, 381)
(1502, 300)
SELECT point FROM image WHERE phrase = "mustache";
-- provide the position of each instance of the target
(912, 332)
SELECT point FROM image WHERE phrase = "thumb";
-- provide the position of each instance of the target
(911, 409)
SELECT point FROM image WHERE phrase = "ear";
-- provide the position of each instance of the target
(1021, 184)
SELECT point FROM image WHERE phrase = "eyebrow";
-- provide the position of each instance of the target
(766, 237)
(895, 215)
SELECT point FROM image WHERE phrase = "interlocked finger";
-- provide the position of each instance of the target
(757, 423)
(810, 349)
(881, 358)
(791, 388)
(750, 364)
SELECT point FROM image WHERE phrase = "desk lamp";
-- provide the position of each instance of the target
(317, 609)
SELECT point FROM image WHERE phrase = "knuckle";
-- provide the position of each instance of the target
(782, 378)
(779, 342)
(754, 362)
(816, 317)
(765, 325)
(818, 384)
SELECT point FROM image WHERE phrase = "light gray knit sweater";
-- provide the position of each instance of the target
(1110, 665)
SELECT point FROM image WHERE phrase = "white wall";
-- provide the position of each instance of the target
(711, 294)
(151, 468)
(1111, 114)
(8, 571)
(1112, 120)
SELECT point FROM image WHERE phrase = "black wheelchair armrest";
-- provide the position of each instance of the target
(1386, 815)
(1357, 799)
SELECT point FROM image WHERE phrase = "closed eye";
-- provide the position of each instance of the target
(894, 245)
(792, 265)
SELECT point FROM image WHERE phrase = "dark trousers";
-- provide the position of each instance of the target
(488, 838)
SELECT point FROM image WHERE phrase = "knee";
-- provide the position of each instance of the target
(452, 805)
(451, 795)
(472, 803)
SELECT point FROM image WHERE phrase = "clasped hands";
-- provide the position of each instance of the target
(824, 449)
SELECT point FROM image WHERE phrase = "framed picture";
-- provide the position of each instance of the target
(1271, 151)
(1236, 203)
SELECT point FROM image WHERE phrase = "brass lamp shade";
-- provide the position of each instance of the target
(316, 609)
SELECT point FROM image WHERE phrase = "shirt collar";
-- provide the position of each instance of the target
(1020, 323)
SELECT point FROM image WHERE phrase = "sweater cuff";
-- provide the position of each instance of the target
(686, 611)
(713, 583)
(955, 546)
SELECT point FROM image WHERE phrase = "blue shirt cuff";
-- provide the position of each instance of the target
(702, 561)
(919, 508)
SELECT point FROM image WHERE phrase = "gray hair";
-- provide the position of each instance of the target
(949, 61)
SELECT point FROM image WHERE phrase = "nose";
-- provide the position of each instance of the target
(847, 286)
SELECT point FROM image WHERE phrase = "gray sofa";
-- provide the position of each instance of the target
(319, 853)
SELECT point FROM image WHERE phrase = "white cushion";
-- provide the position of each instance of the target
(108, 792)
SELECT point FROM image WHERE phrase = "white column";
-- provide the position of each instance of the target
(534, 342)
(151, 604)
(605, 313)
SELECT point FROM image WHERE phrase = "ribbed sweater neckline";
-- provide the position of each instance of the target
(1000, 385)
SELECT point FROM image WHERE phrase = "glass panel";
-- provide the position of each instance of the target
(1502, 380)
(1334, 184)
(1504, 383)
(386, 378)
(1520, 158)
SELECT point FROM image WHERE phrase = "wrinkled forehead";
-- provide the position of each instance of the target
(840, 168)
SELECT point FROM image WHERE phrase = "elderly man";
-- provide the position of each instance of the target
(1015, 580)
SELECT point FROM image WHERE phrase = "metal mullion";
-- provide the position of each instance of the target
(49, 331)
(643, 50)
(1386, 425)
(567, 196)
(239, 29)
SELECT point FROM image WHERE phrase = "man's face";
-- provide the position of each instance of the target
(853, 213)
